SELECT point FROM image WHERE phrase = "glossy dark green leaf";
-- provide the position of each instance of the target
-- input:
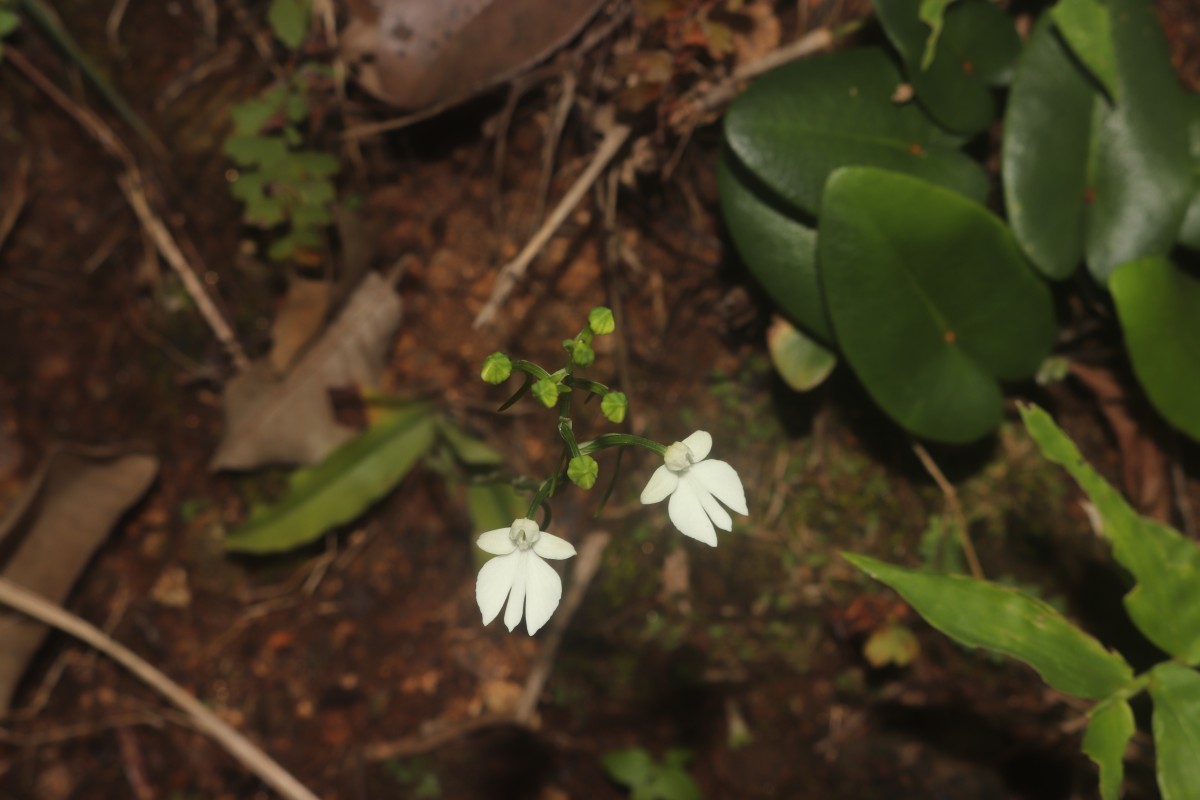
(931, 301)
(1142, 174)
(1007, 621)
(976, 48)
(1165, 603)
(1159, 308)
(1108, 734)
(1044, 164)
(1175, 690)
(1083, 176)
(1085, 26)
(779, 250)
(340, 488)
(797, 124)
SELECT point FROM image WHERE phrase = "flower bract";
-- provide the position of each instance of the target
(695, 484)
(519, 574)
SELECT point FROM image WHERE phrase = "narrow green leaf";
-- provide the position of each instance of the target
(1044, 166)
(981, 614)
(1108, 734)
(1165, 603)
(779, 250)
(797, 124)
(340, 488)
(1086, 27)
(1176, 693)
(289, 21)
(801, 362)
(976, 48)
(931, 301)
(468, 449)
(1159, 305)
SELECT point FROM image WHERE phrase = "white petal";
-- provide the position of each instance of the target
(496, 542)
(700, 443)
(715, 511)
(662, 483)
(543, 591)
(493, 584)
(722, 482)
(516, 600)
(688, 515)
(551, 546)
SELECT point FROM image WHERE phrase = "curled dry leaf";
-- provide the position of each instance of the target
(416, 55)
(298, 320)
(289, 420)
(50, 533)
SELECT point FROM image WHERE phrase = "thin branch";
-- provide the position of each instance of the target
(132, 186)
(514, 270)
(206, 721)
(953, 507)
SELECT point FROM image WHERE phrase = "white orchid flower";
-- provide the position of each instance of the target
(694, 485)
(520, 575)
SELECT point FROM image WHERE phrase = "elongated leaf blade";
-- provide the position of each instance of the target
(797, 124)
(1165, 603)
(1086, 27)
(1175, 690)
(779, 250)
(931, 301)
(1159, 308)
(1108, 734)
(1044, 166)
(1142, 172)
(1007, 621)
(340, 488)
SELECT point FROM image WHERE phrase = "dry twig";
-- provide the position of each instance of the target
(206, 721)
(513, 271)
(954, 508)
(16, 199)
(133, 187)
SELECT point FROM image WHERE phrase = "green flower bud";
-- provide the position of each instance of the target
(496, 368)
(582, 355)
(600, 320)
(614, 405)
(583, 471)
(546, 392)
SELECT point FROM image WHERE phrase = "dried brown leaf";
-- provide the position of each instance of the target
(289, 420)
(420, 54)
(298, 320)
(49, 535)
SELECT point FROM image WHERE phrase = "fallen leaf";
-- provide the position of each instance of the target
(49, 535)
(289, 420)
(298, 320)
(420, 54)
(171, 589)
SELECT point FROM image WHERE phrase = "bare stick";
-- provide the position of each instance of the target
(586, 564)
(953, 506)
(132, 186)
(724, 92)
(206, 721)
(514, 270)
(16, 199)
